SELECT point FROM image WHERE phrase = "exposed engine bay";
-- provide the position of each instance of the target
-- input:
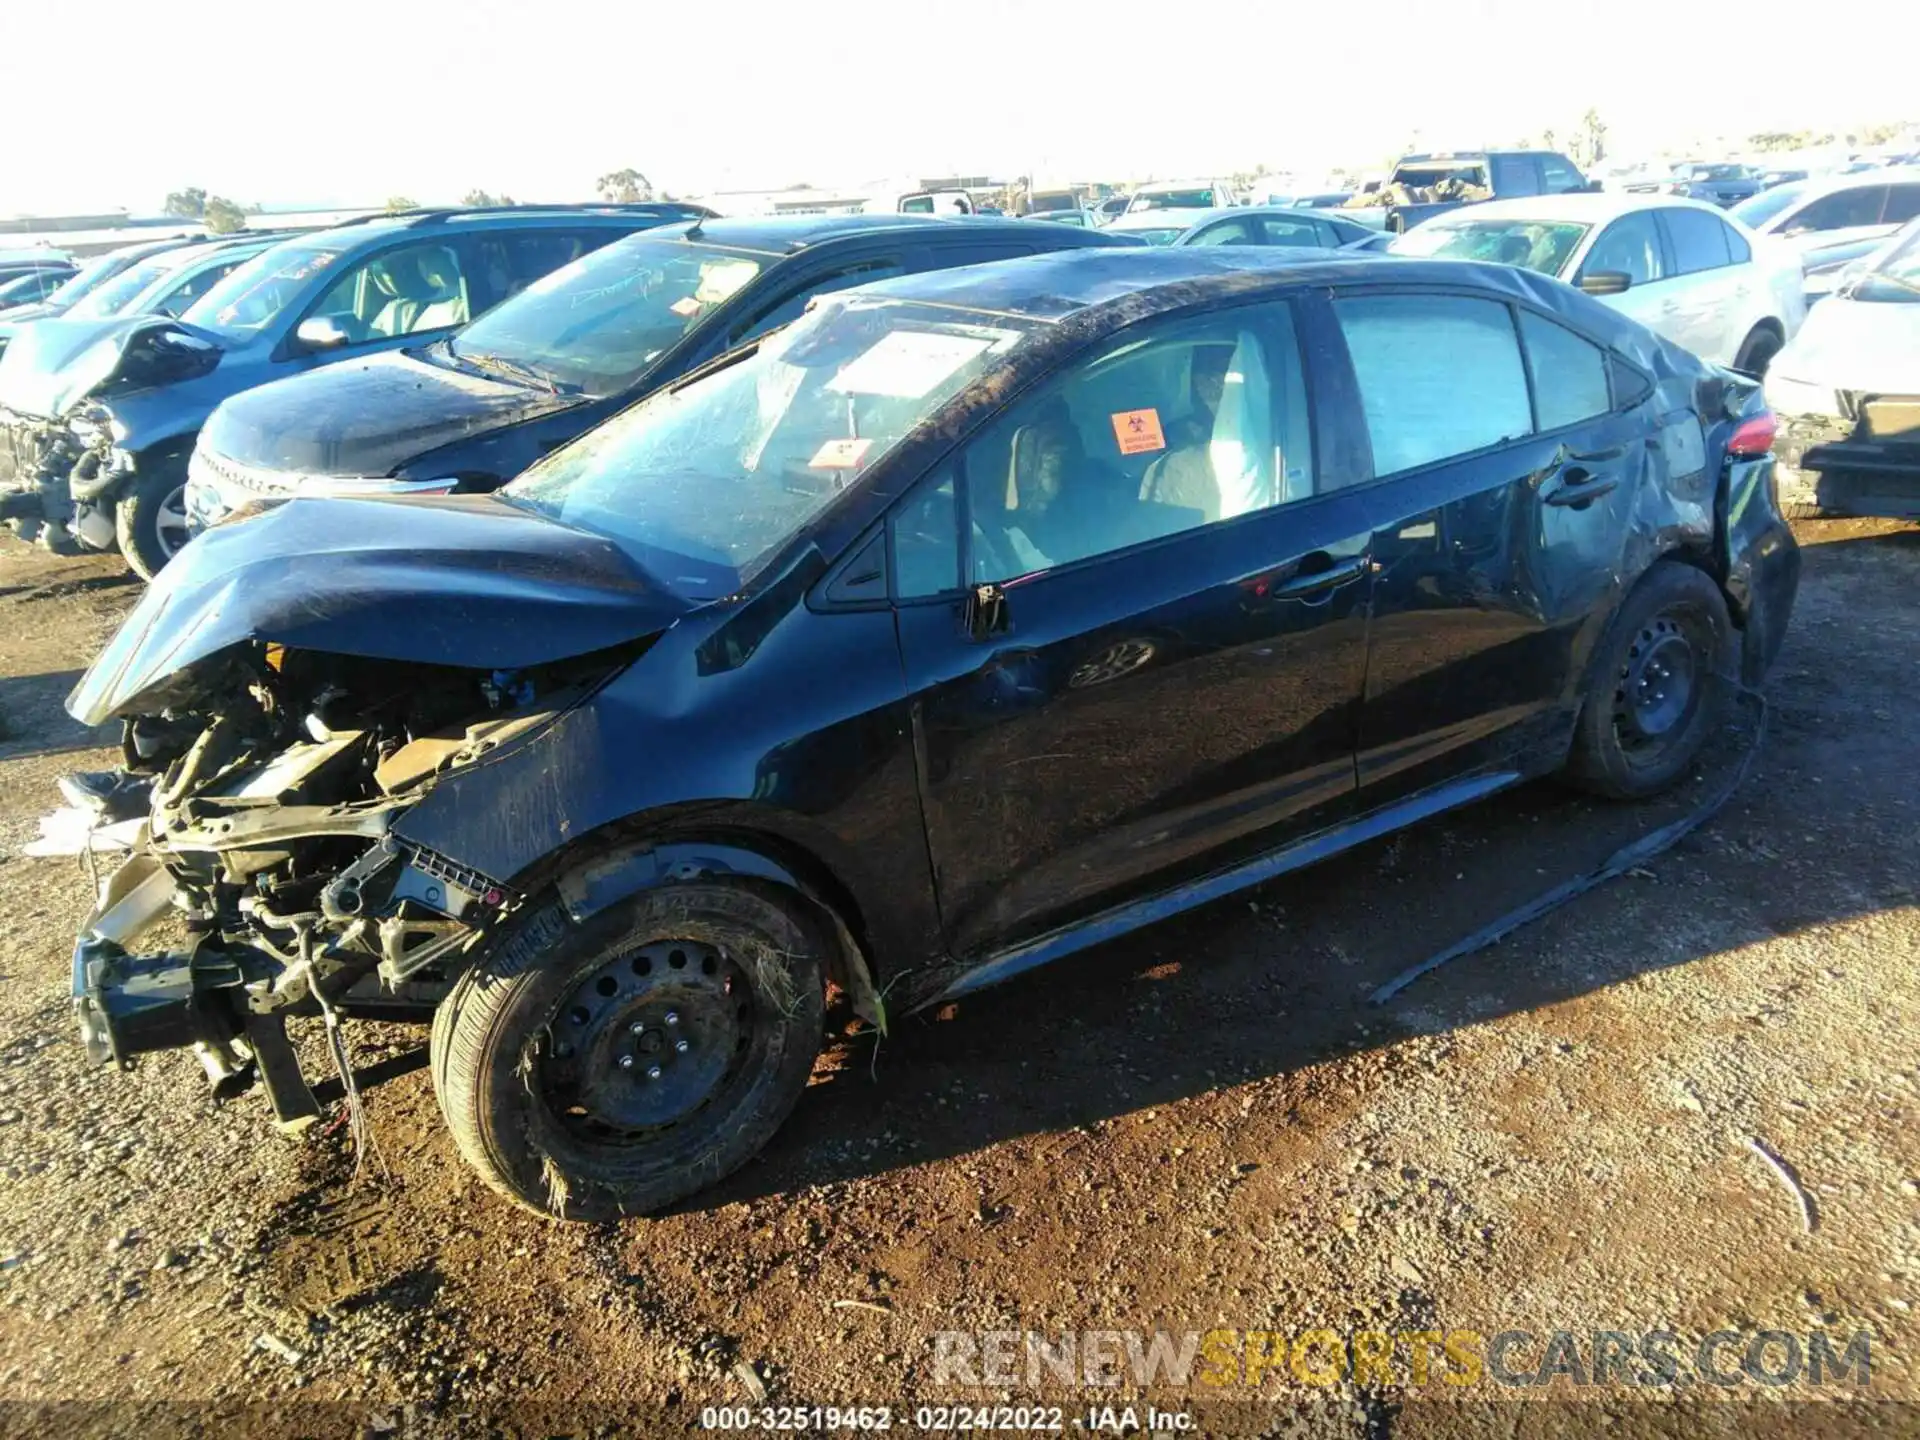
(269, 840)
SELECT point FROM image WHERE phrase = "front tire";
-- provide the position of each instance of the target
(150, 520)
(1658, 686)
(612, 1068)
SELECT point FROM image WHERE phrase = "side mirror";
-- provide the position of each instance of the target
(1605, 282)
(321, 332)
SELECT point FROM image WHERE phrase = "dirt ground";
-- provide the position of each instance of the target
(1683, 1102)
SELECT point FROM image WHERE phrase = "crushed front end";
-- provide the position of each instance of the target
(268, 845)
(37, 455)
(1850, 453)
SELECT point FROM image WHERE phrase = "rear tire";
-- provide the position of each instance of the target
(150, 520)
(612, 1068)
(1658, 686)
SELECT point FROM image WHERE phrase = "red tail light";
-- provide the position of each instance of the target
(1754, 437)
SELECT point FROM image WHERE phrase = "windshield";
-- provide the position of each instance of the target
(597, 324)
(705, 481)
(1155, 236)
(117, 293)
(87, 279)
(1195, 199)
(1542, 245)
(1757, 210)
(253, 296)
(23, 289)
(1895, 275)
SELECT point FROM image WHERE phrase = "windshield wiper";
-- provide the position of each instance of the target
(487, 360)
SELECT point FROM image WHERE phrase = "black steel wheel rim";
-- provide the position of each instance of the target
(647, 1040)
(1658, 687)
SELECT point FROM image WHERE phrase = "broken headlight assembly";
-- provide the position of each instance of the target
(269, 849)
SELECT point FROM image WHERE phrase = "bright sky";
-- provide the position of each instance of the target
(351, 101)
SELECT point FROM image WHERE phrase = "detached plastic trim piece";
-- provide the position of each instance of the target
(1637, 852)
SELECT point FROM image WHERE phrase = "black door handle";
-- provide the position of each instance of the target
(1325, 574)
(1577, 488)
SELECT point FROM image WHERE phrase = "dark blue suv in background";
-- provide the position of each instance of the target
(470, 412)
(105, 413)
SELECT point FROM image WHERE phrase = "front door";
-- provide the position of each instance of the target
(1498, 525)
(1155, 662)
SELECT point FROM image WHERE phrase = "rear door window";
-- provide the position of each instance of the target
(1559, 177)
(1841, 210)
(1287, 230)
(1439, 376)
(1515, 175)
(1699, 240)
(1903, 204)
(1241, 230)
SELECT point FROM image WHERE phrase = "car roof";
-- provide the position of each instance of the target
(1225, 212)
(785, 234)
(376, 228)
(1585, 207)
(1151, 279)
(1818, 185)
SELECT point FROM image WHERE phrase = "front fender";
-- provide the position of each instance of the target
(613, 876)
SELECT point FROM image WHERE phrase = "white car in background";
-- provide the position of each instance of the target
(1182, 195)
(1680, 267)
(1834, 220)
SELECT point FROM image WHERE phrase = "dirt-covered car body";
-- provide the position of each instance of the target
(387, 732)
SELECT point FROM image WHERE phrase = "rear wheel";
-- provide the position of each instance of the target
(1657, 687)
(150, 520)
(616, 1067)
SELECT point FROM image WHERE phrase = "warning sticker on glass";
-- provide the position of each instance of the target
(1138, 431)
(720, 278)
(906, 363)
(841, 454)
(686, 305)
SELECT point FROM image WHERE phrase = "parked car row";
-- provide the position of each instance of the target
(100, 406)
(881, 602)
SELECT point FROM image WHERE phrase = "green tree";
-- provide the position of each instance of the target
(223, 217)
(396, 203)
(484, 197)
(189, 204)
(624, 187)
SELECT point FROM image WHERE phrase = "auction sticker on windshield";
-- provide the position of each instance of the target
(841, 454)
(907, 364)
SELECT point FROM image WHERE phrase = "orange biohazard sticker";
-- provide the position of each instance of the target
(1138, 431)
(841, 454)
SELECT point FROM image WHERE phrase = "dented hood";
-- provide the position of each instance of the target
(50, 366)
(367, 418)
(453, 580)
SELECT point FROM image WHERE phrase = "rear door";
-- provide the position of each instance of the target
(1711, 295)
(1499, 515)
(1137, 653)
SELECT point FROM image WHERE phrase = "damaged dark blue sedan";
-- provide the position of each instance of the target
(972, 619)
